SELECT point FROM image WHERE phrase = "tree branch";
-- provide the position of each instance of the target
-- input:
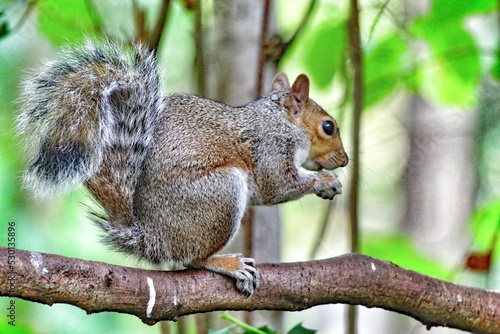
(158, 295)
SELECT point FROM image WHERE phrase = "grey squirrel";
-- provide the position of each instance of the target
(174, 174)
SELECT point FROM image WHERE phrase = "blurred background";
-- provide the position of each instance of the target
(429, 140)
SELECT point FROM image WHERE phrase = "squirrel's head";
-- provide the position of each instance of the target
(326, 150)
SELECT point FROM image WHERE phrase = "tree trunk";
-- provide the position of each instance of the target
(234, 62)
(439, 180)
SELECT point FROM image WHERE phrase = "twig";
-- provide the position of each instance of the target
(199, 60)
(263, 46)
(95, 17)
(159, 28)
(29, 8)
(357, 64)
(326, 219)
(150, 38)
(377, 18)
(303, 23)
(141, 34)
(275, 47)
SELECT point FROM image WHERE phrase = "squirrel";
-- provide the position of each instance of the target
(173, 174)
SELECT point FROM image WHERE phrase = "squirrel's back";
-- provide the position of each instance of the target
(89, 117)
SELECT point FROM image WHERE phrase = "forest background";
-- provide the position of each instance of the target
(429, 152)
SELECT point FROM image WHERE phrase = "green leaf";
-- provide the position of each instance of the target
(248, 329)
(299, 329)
(64, 21)
(451, 74)
(323, 51)
(459, 8)
(495, 69)
(383, 66)
(486, 224)
(399, 250)
(4, 25)
(4, 29)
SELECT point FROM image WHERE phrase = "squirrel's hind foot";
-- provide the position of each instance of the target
(234, 265)
(247, 278)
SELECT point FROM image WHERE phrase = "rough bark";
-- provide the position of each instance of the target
(351, 279)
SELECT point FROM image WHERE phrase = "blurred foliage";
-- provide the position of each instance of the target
(449, 72)
(72, 17)
(399, 250)
(486, 227)
(434, 54)
(384, 65)
(454, 56)
(322, 57)
(297, 329)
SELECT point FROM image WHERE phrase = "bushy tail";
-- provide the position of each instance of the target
(88, 118)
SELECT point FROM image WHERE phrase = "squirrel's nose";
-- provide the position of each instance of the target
(344, 161)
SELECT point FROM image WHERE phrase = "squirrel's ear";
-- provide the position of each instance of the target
(299, 93)
(280, 82)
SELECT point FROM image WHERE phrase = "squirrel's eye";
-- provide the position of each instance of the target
(328, 127)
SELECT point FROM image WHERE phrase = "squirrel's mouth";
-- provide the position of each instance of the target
(318, 164)
(313, 165)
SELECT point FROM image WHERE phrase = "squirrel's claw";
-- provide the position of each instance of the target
(247, 277)
(246, 274)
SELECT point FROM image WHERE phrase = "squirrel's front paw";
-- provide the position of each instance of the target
(328, 185)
